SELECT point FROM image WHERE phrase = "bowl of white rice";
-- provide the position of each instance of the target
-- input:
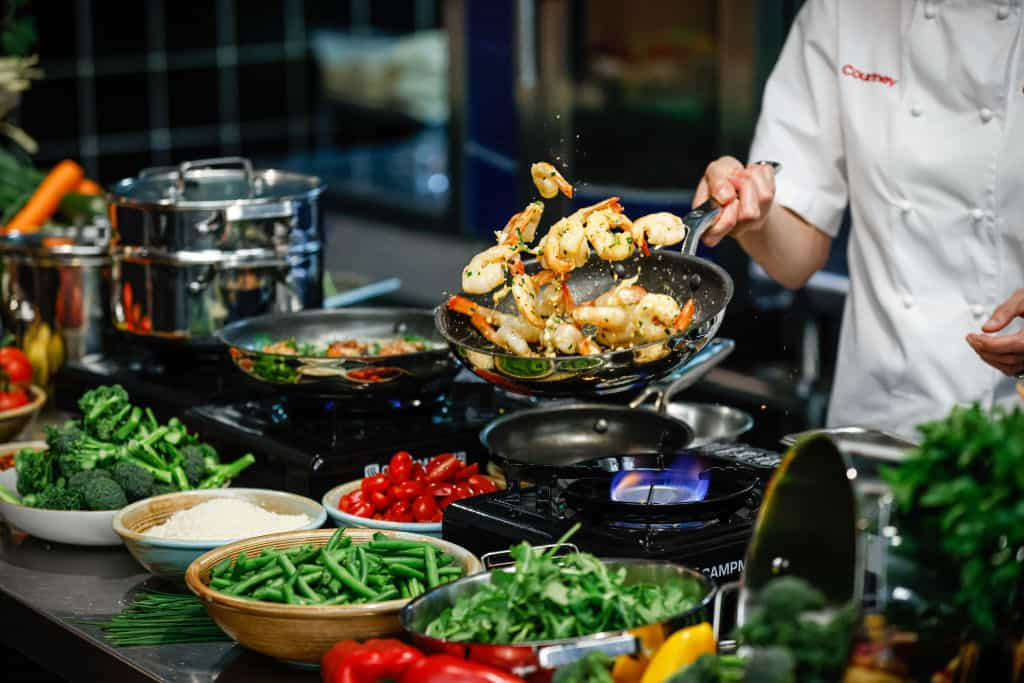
(165, 533)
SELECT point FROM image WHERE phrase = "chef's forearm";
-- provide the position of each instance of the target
(789, 248)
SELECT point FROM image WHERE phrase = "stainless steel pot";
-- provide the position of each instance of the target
(213, 241)
(540, 658)
(55, 288)
(711, 421)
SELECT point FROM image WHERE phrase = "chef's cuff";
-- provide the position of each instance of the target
(819, 207)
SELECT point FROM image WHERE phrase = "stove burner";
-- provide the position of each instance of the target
(683, 481)
(656, 493)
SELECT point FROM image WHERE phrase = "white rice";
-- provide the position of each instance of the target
(224, 518)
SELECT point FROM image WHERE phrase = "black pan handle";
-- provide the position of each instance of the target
(703, 217)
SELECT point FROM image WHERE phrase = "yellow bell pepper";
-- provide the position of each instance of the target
(631, 669)
(681, 649)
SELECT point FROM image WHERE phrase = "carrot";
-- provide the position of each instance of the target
(89, 187)
(63, 178)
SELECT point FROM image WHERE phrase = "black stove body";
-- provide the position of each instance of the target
(716, 547)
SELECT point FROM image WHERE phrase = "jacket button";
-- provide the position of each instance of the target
(915, 111)
(977, 215)
(977, 310)
(908, 301)
(929, 11)
(1003, 12)
(905, 207)
(986, 114)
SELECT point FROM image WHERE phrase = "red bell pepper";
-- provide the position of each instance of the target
(449, 669)
(369, 662)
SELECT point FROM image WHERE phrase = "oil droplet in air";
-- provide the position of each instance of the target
(764, 407)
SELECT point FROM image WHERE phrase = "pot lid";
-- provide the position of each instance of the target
(211, 183)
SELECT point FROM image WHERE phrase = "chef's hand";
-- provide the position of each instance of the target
(1005, 353)
(746, 195)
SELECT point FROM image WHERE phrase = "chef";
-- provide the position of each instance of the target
(912, 114)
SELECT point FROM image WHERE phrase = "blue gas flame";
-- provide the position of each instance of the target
(680, 482)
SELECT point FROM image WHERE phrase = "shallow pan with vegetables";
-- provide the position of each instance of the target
(576, 605)
(279, 595)
(290, 352)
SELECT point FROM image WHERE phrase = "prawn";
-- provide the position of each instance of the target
(549, 181)
(660, 229)
(512, 334)
(602, 317)
(565, 246)
(657, 316)
(487, 270)
(524, 291)
(608, 232)
(564, 337)
(522, 227)
(610, 204)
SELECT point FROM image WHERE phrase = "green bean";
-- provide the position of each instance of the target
(389, 594)
(443, 560)
(415, 588)
(363, 563)
(289, 594)
(402, 570)
(223, 567)
(449, 571)
(239, 568)
(337, 600)
(338, 538)
(220, 584)
(403, 588)
(269, 594)
(253, 581)
(304, 589)
(334, 586)
(431, 567)
(342, 574)
(411, 552)
(287, 566)
(394, 545)
(414, 562)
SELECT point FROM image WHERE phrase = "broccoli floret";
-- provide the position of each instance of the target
(74, 450)
(137, 482)
(106, 427)
(100, 401)
(58, 498)
(131, 426)
(79, 480)
(710, 668)
(194, 463)
(35, 470)
(104, 494)
(785, 598)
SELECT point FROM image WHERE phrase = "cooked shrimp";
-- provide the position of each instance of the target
(524, 291)
(283, 348)
(565, 246)
(655, 317)
(397, 347)
(549, 181)
(562, 336)
(522, 227)
(514, 323)
(601, 317)
(607, 232)
(346, 349)
(616, 338)
(610, 204)
(486, 271)
(660, 229)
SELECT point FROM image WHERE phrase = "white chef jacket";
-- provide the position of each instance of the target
(911, 112)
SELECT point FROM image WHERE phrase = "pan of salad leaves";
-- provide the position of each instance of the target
(376, 354)
(554, 606)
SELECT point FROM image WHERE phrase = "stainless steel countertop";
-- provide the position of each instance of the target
(46, 590)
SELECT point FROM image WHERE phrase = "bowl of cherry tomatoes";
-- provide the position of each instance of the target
(20, 400)
(408, 495)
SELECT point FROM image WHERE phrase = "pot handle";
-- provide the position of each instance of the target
(187, 166)
(702, 362)
(503, 558)
(557, 656)
(716, 618)
(701, 218)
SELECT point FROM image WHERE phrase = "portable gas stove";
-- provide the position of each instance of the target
(712, 538)
(309, 446)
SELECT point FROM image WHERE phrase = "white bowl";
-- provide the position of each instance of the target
(170, 557)
(343, 519)
(75, 527)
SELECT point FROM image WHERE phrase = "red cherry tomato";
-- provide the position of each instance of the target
(345, 504)
(13, 398)
(378, 515)
(400, 511)
(481, 484)
(443, 470)
(378, 482)
(400, 467)
(407, 490)
(418, 472)
(467, 472)
(439, 489)
(424, 509)
(363, 509)
(381, 501)
(14, 363)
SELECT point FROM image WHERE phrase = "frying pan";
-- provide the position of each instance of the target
(374, 378)
(681, 275)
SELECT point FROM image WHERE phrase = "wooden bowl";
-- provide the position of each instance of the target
(14, 422)
(303, 633)
(169, 557)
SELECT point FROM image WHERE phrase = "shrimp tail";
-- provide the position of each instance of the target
(685, 316)
(567, 303)
(461, 304)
